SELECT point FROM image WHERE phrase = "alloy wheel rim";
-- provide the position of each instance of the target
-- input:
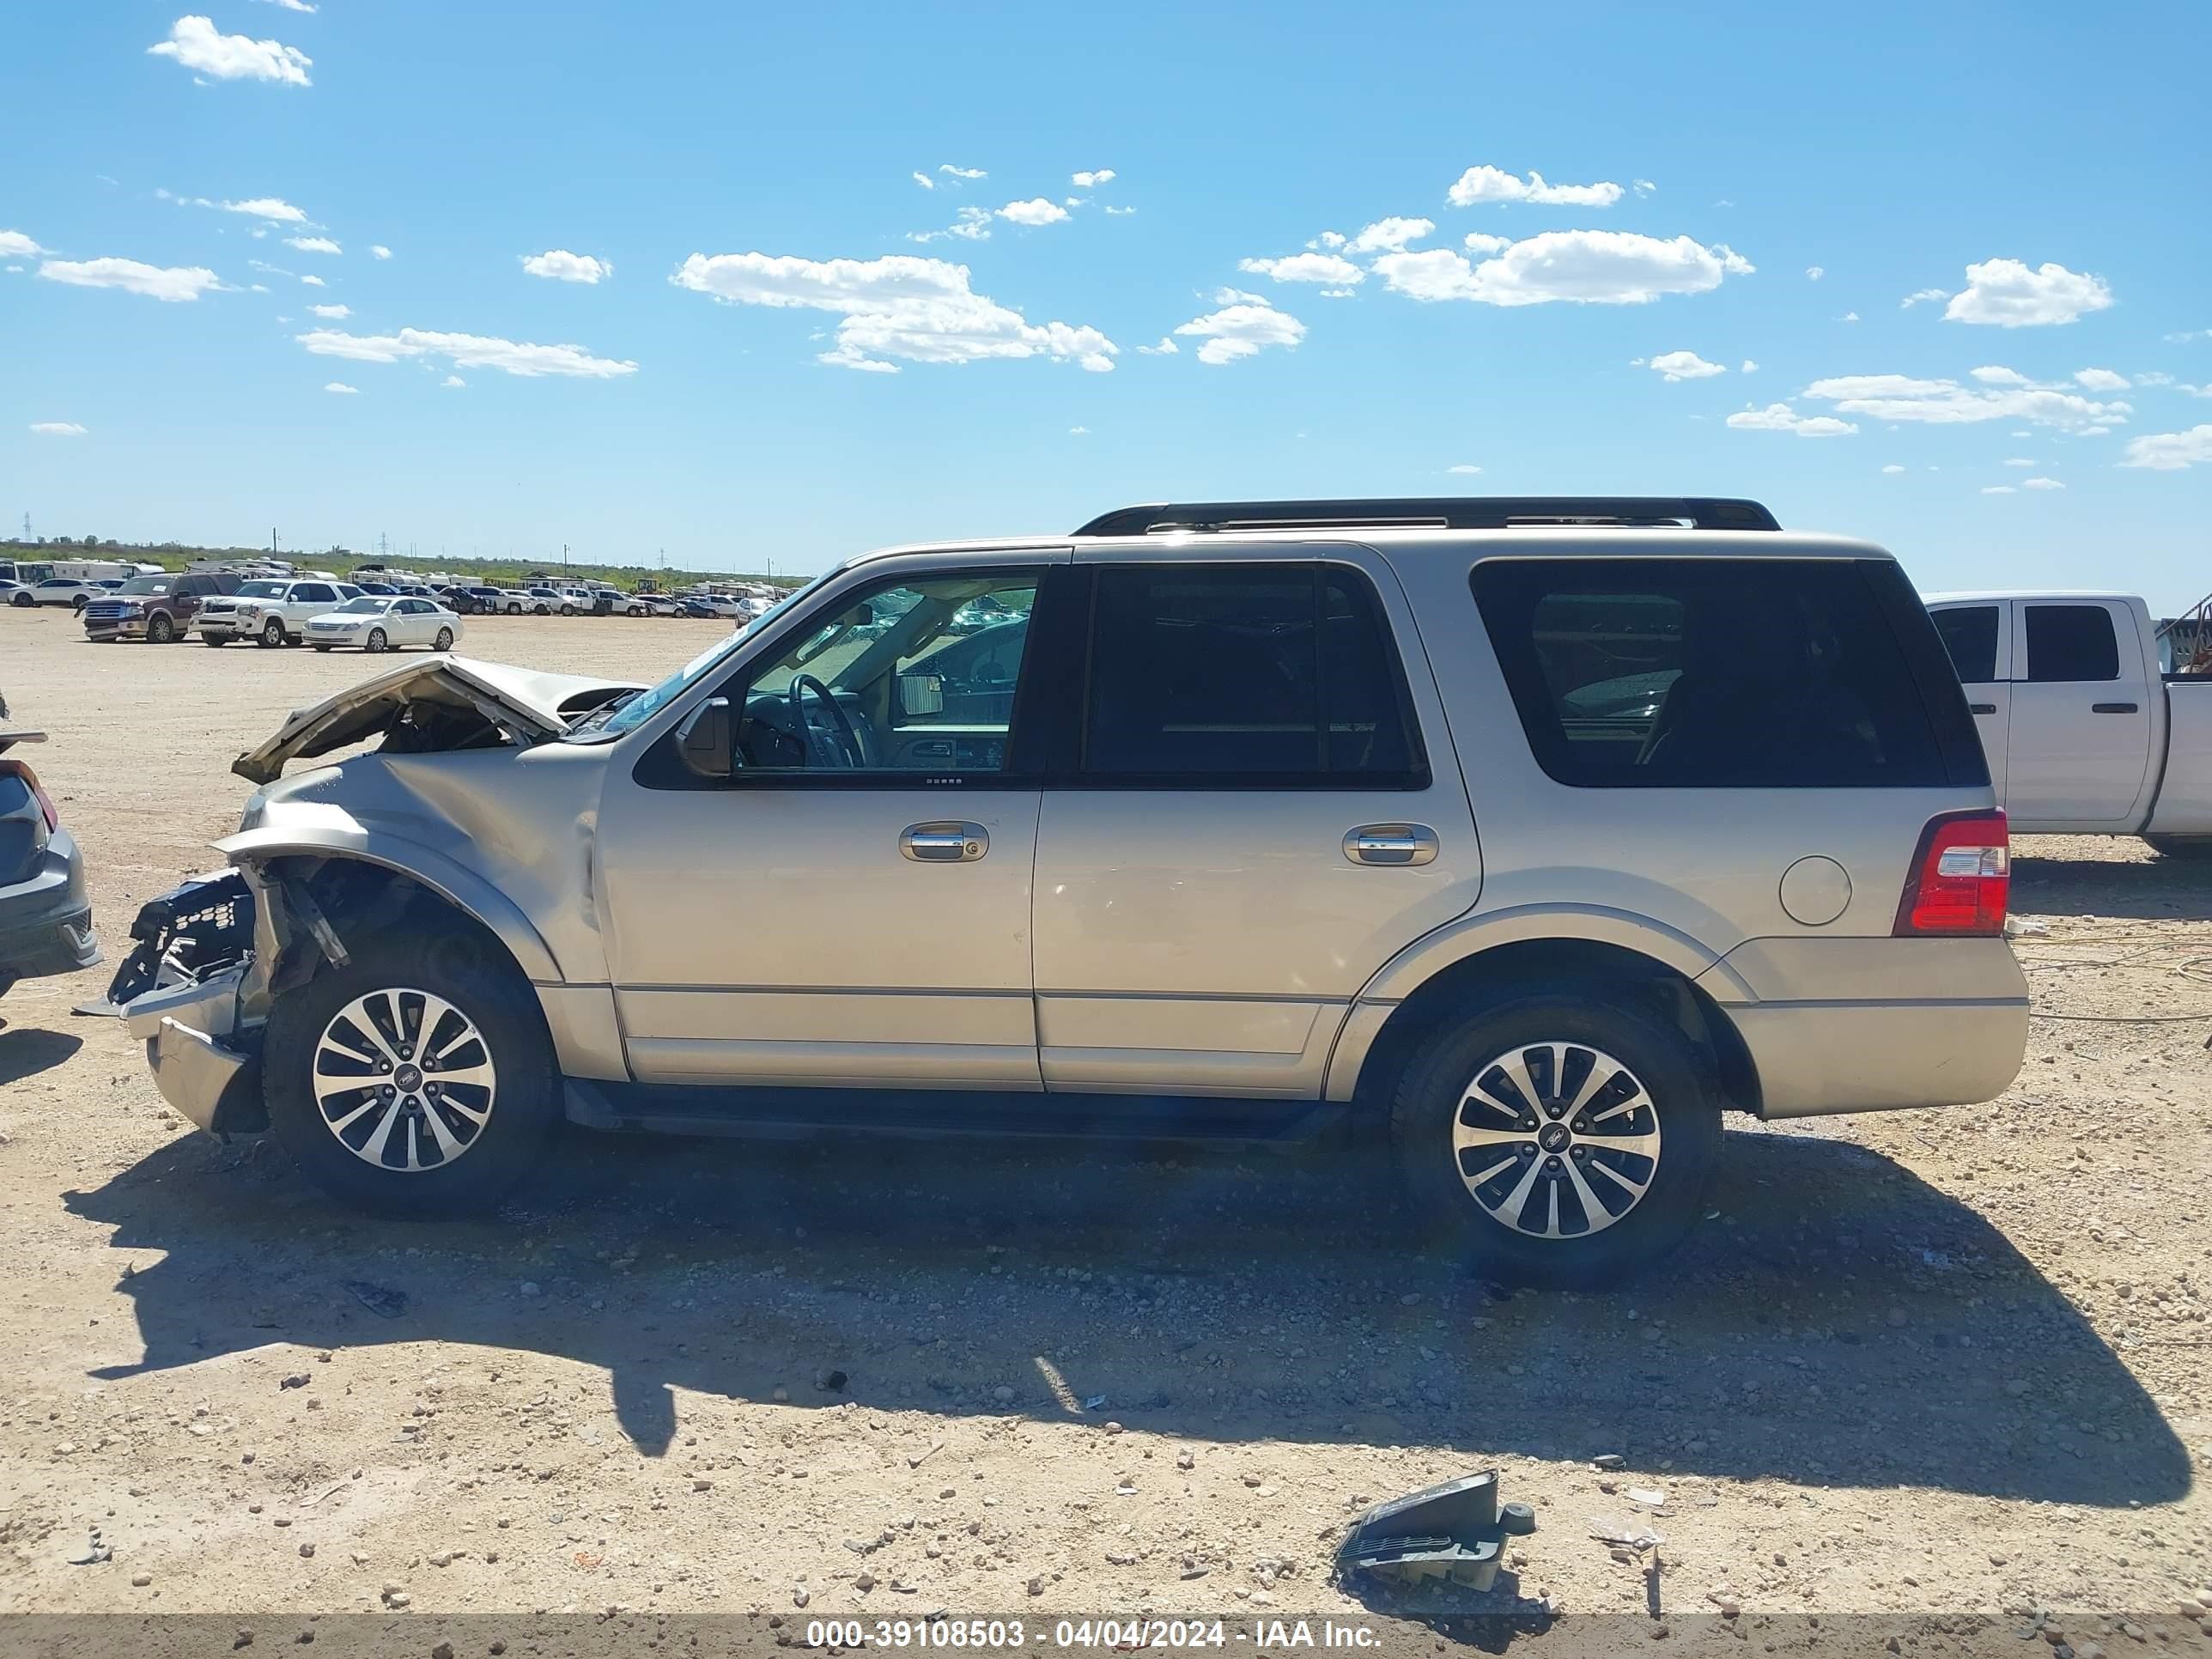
(1556, 1140)
(404, 1080)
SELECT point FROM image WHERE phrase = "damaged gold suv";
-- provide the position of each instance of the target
(1529, 835)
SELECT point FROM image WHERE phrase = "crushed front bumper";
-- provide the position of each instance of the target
(184, 991)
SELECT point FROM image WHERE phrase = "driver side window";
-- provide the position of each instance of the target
(917, 676)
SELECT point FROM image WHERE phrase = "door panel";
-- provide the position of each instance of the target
(1201, 925)
(1978, 637)
(2079, 743)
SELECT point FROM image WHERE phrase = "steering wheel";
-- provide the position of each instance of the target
(847, 740)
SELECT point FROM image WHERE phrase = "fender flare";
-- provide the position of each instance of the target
(470, 894)
(1474, 935)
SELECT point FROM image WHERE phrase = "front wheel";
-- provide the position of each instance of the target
(377, 642)
(319, 646)
(215, 641)
(416, 1080)
(272, 632)
(567, 610)
(79, 603)
(445, 640)
(2194, 847)
(1564, 1139)
(160, 630)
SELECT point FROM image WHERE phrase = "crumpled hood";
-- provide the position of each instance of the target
(462, 701)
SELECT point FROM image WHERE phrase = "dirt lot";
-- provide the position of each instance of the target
(1947, 1370)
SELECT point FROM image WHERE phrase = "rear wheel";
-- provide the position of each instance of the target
(319, 644)
(1563, 1138)
(2198, 847)
(160, 630)
(215, 641)
(416, 1080)
(445, 640)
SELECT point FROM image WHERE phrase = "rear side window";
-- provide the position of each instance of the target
(1245, 676)
(1969, 635)
(311, 594)
(2071, 642)
(1717, 673)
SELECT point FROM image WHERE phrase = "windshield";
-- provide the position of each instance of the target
(645, 705)
(366, 604)
(261, 591)
(145, 585)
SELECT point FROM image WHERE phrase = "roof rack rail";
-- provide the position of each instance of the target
(1436, 513)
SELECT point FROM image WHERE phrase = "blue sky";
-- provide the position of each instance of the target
(773, 363)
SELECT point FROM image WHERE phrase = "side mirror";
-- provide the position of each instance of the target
(921, 694)
(705, 739)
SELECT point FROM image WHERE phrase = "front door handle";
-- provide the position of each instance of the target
(1391, 843)
(2112, 709)
(1981, 708)
(948, 842)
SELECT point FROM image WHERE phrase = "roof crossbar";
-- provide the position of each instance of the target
(1436, 513)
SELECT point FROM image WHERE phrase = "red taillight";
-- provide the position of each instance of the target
(15, 769)
(1960, 877)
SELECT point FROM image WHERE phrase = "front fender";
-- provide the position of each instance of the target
(460, 888)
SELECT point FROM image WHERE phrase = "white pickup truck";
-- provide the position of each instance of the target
(2085, 734)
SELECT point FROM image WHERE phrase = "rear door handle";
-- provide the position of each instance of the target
(949, 842)
(1981, 708)
(2112, 709)
(1391, 843)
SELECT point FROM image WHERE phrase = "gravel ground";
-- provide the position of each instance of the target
(1948, 1370)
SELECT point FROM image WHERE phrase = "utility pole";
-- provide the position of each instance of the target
(272, 541)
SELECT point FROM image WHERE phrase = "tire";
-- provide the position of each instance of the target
(634, 610)
(2188, 848)
(567, 610)
(78, 603)
(215, 641)
(23, 600)
(1439, 1099)
(377, 643)
(445, 640)
(272, 633)
(319, 645)
(514, 610)
(387, 976)
(161, 629)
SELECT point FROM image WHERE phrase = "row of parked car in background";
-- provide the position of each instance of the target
(376, 610)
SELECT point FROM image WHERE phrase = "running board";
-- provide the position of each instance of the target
(930, 1115)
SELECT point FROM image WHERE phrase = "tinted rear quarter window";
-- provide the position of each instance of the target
(1724, 674)
(2071, 642)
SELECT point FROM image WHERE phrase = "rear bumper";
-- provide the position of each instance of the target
(1871, 1025)
(45, 921)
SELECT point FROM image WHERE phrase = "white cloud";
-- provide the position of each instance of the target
(1814, 273)
(897, 305)
(57, 429)
(2006, 293)
(333, 314)
(452, 379)
(465, 351)
(1999, 489)
(342, 388)
(1476, 242)
(1307, 268)
(1682, 366)
(313, 244)
(1389, 236)
(2018, 460)
(2171, 451)
(194, 43)
(1848, 317)
(1037, 210)
(1245, 326)
(1464, 470)
(313, 281)
(2101, 380)
(2041, 483)
(271, 208)
(1488, 183)
(923, 180)
(379, 251)
(1334, 239)
(1642, 186)
(1091, 181)
(1892, 467)
(559, 265)
(1592, 267)
(1119, 212)
(172, 283)
(294, 5)
(973, 225)
(1749, 367)
(1994, 374)
(1921, 296)
(14, 244)
(1780, 418)
(1941, 403)
(1166, 347)
(952, 171)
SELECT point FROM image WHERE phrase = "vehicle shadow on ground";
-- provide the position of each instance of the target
(2155, 889)
(25, 1051)
(1836, 1322)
